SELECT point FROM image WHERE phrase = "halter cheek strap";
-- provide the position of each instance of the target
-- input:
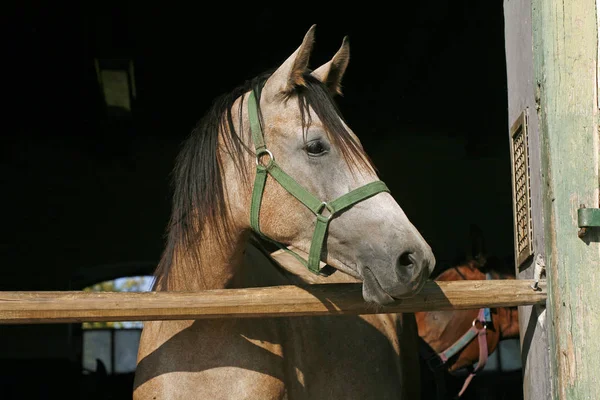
(324, 211)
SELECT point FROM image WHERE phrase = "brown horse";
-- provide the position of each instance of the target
(442, 331)
(277, 148)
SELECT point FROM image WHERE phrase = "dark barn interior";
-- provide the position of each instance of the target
(86, 185)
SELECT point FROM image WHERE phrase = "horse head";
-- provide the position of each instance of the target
(443, 330)
(313, 186)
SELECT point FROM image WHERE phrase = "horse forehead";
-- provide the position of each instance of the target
(287, 115)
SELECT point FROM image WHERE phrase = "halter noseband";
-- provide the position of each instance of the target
(313, 203)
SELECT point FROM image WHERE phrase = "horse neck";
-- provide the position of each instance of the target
(219, 252)
(214, 266)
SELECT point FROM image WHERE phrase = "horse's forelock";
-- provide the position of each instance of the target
(316, 95)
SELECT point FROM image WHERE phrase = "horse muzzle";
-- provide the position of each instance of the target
(408, 277)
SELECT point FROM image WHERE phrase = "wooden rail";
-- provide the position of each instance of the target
(278, 301)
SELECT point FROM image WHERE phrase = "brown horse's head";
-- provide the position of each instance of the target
(307, 137)
(441, 329)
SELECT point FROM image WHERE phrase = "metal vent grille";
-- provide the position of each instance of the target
(523, 225)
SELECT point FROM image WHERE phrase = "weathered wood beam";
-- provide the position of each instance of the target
(277, 301)
(565, 63)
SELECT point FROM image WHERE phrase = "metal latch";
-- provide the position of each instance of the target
(587, 218)
(538, 269)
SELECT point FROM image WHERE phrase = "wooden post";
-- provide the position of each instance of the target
(565, 64)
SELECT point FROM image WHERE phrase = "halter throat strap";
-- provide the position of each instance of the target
(324, 211)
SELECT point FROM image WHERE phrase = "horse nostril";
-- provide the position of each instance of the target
(405, 259)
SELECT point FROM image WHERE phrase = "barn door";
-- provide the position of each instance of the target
(552, 70)
(524, 142)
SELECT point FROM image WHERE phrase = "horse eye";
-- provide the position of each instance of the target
(315, 148)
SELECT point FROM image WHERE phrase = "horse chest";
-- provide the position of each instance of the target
(347, 357)
(282, 358)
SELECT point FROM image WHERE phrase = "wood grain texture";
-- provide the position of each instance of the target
(521, 87)
(565, 51)
(277, 301)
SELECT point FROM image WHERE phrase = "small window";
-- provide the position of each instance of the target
(112, 346)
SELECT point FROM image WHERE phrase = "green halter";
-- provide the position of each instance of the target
(304, 196)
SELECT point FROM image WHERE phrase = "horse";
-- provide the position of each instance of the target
(451, 341)
(274, 163)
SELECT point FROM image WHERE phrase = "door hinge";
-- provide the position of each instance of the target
(587, 218)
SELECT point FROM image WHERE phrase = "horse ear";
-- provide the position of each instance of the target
(332, 72)
(478, 251)
(291, 73)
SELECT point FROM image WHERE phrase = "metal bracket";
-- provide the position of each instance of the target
(587, 218)
(539, 269)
